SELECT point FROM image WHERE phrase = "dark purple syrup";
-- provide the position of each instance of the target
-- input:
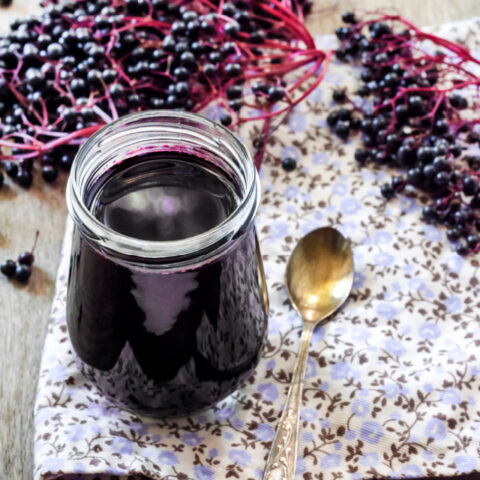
(164, 198)
(166, 343)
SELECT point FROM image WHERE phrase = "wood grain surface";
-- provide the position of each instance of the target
(24, 310)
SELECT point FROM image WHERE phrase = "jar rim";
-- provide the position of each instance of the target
(118, 244)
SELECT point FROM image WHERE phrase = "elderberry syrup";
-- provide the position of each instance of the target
(166, 304)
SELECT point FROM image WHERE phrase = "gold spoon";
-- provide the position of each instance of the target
(319, 278)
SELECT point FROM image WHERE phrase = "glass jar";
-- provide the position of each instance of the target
(172, 325)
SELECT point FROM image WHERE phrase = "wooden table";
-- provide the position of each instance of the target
(24, 311)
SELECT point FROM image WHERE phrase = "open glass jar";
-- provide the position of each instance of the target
(166, 304)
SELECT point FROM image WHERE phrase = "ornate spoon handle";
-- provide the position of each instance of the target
(283, 454)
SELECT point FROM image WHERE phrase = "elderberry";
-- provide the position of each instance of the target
(8, 268)
(22, 273)
(289, 164)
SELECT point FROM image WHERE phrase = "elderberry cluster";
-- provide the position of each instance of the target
(83, 63)
(416, 123)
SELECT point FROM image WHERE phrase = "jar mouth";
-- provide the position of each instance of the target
(160, 130)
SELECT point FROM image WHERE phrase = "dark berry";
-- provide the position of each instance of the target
(440, 164)
(257, 37)
(275, 93)
(342, 129)
(228, 48)
(235, 105)
(380, 158)
(11, 168)
(178, 28)
(366, 125)
(470, 186)
(225, 120)
(380, 122)
(415, 176)
(116, 90)
(472, 241)
(232, 29)
(453, 234)
(233, 69)
(25, 163)
(364, 91)
(78, 87)
(209, 70)
(8, 268)
(94, 78)
(361, 155)
(355, 123)
(349, 17)
(344, 114)
(473, 162)
(425, 154)
(187, 59)
(457, 101)
(55, 51)
(342, 33)
(406, 155)
(379, 29)
(366, 75)
(460, 217)
(109, 75)
(429, 213)
(229, 10)
(369, 140)
(49, 173)
(172, 101)
(401, 113)
(189, 16)
(26, 258)
(398, 183)
(462, 249)
(387, 191)
(22, 273)
(456, 150)
(391, 79)
(258, 87)
(66, 161)
(339, 96)
(182, 89)
(234, 91)
(473, 137)
(289, 164)
(24, 178)
(332, 119)
(341, 55)
(442, 179)
(416, 105)
(181, 73)
(215, 57)
(440, 126)
(156, 102)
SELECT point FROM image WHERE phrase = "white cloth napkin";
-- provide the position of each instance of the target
(392, 383)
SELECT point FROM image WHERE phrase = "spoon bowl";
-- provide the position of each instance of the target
(319, 278)
(319, 273)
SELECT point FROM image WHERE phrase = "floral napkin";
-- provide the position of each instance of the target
(392, 383)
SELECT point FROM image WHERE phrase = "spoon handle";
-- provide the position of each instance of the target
(283, 453)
